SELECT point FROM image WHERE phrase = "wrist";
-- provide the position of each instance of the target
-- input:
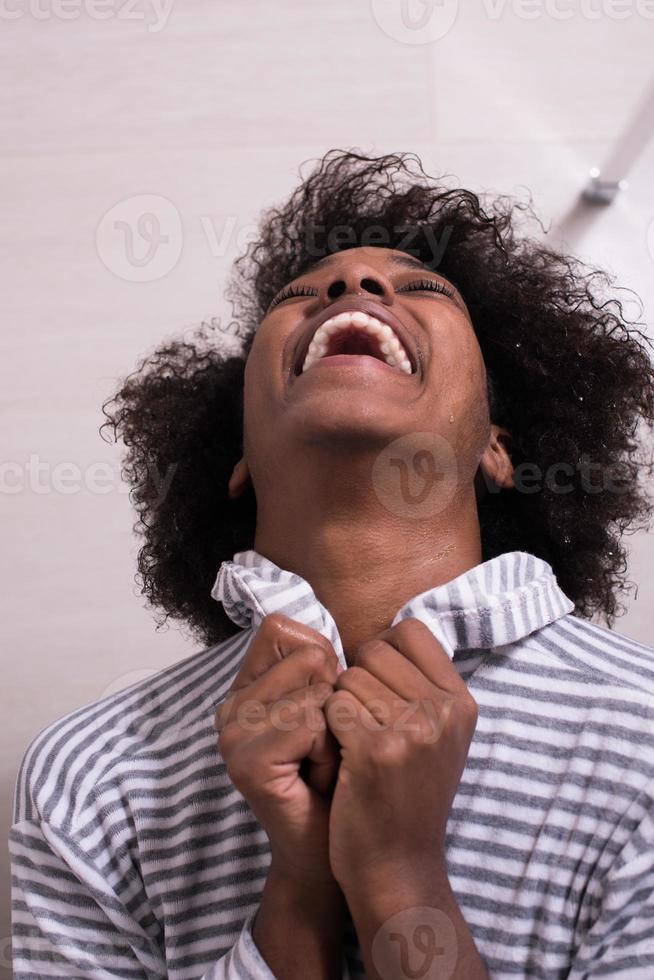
(404, 898)
(319, 904)
(298, 928)
(398, 882)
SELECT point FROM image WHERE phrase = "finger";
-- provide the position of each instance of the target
(417, 643)
(346, 718)
(291, 730)
(393, 669)
(382, 703)
(304, 666)
(276, 638)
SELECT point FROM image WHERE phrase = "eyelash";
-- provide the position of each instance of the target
(289, 291)
(420, 284)
(427, 284)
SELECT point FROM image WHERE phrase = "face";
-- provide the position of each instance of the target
(367, 346)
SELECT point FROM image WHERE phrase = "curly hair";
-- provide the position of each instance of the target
(569, 376)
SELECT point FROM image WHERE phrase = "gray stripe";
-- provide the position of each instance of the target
(537, 827)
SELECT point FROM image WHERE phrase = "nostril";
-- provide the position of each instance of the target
(372, 286)
(336, 289)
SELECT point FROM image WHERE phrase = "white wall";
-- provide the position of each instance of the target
(214, 111)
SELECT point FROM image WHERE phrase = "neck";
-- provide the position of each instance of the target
(362, 561)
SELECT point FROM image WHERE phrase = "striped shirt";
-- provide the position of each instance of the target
(134, 856)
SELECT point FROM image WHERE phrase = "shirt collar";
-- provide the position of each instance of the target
(495, 603)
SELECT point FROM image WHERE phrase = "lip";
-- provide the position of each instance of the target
(353, 304)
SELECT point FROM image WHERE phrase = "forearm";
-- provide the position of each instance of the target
(412, 917)
(299, 929)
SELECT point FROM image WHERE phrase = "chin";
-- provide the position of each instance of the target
(352, 426)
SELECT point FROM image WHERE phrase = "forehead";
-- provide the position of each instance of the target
(376, 255)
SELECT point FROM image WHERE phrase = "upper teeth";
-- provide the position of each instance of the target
(393, 351)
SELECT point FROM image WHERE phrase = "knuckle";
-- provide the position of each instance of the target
(228, 739)
(223, 711)
(272, 623)
(350, 677)
(368, 652)
(412, 625)
(313, 655)
(320, 691)
(242, 771)
(470, 708)
(317, 664)
(391, 750)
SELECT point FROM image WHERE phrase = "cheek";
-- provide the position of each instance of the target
(260, 359)
(469, 394)
(262, 379)
(464, 364)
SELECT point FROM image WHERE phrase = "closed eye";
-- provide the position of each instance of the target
(428, 285)
(291, 290)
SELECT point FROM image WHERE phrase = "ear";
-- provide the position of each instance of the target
(495, 467)
(239, 479)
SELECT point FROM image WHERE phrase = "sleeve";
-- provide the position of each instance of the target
(67, 921)
(620, 943)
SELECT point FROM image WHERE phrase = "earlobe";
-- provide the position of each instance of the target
(239, 479)
(495, 466)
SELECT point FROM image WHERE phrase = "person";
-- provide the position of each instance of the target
(393, 517)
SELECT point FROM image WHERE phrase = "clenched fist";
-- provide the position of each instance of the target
(269, 722)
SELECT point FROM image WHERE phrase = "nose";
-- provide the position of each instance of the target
(359, 279)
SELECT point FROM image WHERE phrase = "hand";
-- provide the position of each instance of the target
(404, 719)
(271, 720)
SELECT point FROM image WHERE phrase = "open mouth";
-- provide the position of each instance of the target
(355, 332)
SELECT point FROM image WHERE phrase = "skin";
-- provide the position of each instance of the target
(311, 442)
(365, 821)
